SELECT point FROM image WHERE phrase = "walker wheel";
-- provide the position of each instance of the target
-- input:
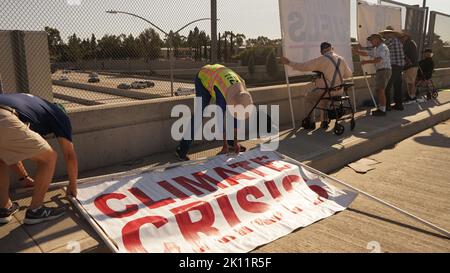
(308, 124)
(339, 129)
(435, 94)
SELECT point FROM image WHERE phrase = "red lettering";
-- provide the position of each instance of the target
(227, 210)
(269, 164)
(202, 182)
(245, 165)
(321, 192)
(273, 190)
(227, 239)
(295, 210)
(101, 204)
(244, 231)
(190, 229)
(254, 207)
(171, 248)
(258, 221)
(171, 189)
(200, 248)
(232, 180)
(289, 180)
(146, 200)
(130, 232)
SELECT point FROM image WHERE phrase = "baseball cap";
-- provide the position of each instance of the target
(375, 36)
(324, 46)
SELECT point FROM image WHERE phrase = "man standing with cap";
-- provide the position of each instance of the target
(24, 119)
(397, 57)
(224, 87)
(332, 66)
(412, 63)
(381, 59)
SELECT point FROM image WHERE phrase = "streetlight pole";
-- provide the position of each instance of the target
(171, 61)
(1, 84)
(425, 28)
(213, 31)
(169, 36)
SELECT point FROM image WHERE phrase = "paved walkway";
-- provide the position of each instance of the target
(413, 175)
(320, 149)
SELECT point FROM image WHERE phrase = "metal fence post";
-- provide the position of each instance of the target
(171, 63)
(213, 31)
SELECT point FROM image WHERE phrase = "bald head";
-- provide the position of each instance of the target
(238, 96)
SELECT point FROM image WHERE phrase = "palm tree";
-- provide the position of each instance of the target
(204, 40)
(240, 38)
(225, 38)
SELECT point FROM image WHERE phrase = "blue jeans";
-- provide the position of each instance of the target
(200, 92)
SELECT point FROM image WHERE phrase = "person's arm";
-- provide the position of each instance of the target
(360, 52)
(347, 71)
(241, 79)
(374, 61)
(21, 172)
(237, 147)
(312, 65)
(70, 157)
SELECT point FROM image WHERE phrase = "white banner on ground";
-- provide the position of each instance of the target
(373, 19)
(222, 205)
(306, 24)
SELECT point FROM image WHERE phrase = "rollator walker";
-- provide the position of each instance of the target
(340, 107)
(426, 87)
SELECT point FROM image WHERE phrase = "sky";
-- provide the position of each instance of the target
(251, 17)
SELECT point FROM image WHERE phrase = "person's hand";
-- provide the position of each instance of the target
(72, 190)
(224, 150)
(284, 60)
(237, 149)
(28, 182)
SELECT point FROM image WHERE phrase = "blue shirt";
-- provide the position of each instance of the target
(44, 117)
(382, 51)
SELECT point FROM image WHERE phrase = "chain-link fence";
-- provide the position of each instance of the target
(109, 51)
(413, 21)
(439, 40)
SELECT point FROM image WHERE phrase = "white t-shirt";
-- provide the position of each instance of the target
(382, 51)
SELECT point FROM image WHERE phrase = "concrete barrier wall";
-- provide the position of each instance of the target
(7, 64)
(107, 90)
(112, 134)
(37, 57)
(132, 65)
(25, 63)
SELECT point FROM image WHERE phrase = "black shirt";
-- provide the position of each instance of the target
(411, 54)
(426, 69)
(44, 117)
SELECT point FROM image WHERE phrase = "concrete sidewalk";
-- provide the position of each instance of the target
(322, 150)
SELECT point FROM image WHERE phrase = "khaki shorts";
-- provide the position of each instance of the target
(382, 78)
(411, 75)
(17, 141)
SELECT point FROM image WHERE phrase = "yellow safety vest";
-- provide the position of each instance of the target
(219, 76)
